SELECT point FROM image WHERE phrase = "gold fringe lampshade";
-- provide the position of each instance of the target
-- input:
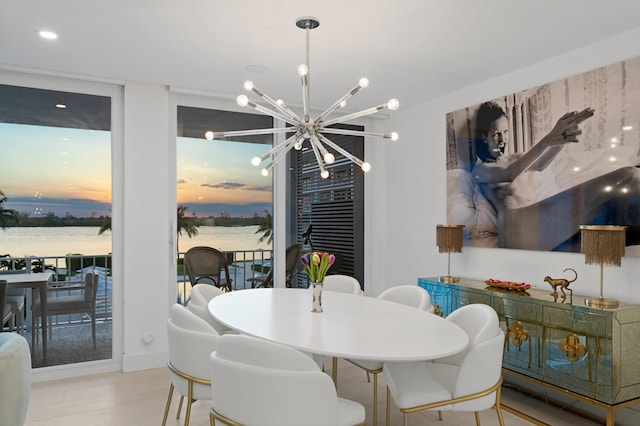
(449, 238)
(603, 245)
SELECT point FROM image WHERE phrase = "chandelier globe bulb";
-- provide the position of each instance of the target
(303, 70)
(242, 100)
(324, 174)
(248, 85)
(364, 82)
(329, 158)
(255, 161)
(365, 167)
(264, 172)
(393, 104)
(208, 135)
(394, 136)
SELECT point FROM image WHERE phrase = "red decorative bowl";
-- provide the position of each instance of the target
(507, 285)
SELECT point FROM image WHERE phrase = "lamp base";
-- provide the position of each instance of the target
(448, 279)
(601, 303)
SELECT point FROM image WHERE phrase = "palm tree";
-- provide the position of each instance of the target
(7, 216)
(185, 224)
(266, 228)
(105, 227)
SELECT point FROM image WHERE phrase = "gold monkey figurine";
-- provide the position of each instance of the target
(563, 283)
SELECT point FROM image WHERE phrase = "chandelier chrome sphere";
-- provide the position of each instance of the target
(307, 129)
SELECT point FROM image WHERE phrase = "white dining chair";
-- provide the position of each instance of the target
(410, 295)
(15, 379)
(201, 294)
(342, 283)
(251, 377)
(468, 381)
(191, 341)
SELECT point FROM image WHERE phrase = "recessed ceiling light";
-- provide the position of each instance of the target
(627, 128)
(257, 68)
(49, 35)
(61, 106)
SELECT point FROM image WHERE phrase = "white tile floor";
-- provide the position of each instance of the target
(138, 398)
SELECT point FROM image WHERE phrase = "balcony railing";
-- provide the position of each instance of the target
(69, 269)
(243, 264)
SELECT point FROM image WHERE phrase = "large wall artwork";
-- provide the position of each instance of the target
(525, 170)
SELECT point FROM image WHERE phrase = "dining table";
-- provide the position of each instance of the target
(37, 281)
(350, 326)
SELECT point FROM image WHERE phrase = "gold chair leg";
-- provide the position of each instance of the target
(375, 398)
(166, 409)
(405, 421)
(477, 418)
(388, 407)
(189, 402)
(498, 409)
(500, 418)
(180, 406)
(439, 415)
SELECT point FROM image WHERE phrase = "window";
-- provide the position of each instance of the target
(55, 170)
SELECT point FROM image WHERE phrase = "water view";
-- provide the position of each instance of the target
(59, 241)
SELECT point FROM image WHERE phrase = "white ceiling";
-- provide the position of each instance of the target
(409, 49)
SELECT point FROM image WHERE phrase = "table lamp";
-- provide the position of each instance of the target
(604, 245)
(449, 239)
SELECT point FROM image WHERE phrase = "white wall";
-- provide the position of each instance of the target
(414, 191)
(149, 207)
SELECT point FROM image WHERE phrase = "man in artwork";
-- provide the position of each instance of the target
(539, 199)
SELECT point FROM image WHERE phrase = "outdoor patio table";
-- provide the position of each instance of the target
(36, 281)
(350, 326)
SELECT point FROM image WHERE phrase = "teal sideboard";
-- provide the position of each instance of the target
(589, 352)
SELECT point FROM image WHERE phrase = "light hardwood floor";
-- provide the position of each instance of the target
(138, 398)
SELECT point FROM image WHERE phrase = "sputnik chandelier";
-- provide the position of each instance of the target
(307, 129)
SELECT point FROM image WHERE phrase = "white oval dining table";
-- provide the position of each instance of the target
(350, 326)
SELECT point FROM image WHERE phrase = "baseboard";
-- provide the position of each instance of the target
(144, 361)
(56, 372)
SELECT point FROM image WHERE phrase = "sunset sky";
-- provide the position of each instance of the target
(48, 169)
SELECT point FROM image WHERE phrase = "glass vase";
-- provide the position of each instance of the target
(316, 289)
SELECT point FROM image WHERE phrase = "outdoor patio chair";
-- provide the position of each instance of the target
(81, 299)
(292, 257)
(205, 265)
(5, 310)
(15, 298)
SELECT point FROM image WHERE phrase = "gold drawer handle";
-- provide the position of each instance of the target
(517, 334)
(572, 347)
(436, 309)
